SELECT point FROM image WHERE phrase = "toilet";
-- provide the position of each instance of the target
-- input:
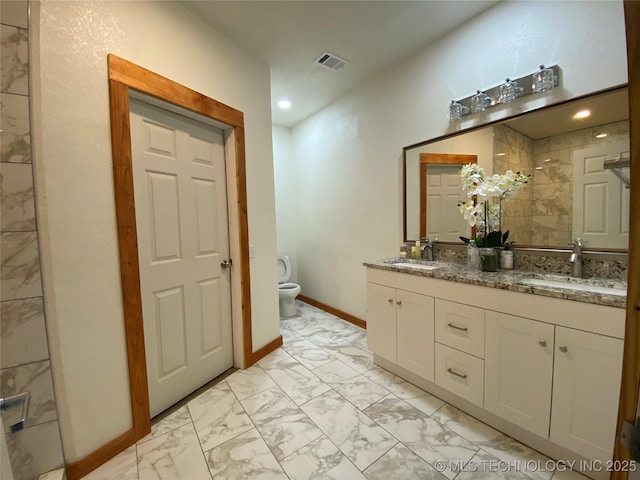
(286, 291)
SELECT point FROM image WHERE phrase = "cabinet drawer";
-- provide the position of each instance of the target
(460, 373)
(460, 326)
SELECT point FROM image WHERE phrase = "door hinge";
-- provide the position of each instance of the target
(630, 438)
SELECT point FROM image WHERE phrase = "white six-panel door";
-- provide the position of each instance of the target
(600, 200)
(444, 191)
(183, 237)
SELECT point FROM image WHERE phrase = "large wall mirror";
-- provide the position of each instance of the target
(573, 191)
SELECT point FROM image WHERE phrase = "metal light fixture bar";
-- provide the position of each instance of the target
(525, 82)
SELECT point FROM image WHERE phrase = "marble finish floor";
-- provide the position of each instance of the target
(319, 408)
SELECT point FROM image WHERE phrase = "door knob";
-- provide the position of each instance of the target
(225, 264)
(542, 343)
(563, 349)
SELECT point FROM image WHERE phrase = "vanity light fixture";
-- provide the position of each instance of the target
(284, 104)
(539, 82)
(582, 114)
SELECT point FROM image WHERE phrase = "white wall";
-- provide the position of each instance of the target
(348, 156)
(75, 187)
(286, 196)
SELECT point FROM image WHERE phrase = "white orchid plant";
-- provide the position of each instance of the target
(479, 211)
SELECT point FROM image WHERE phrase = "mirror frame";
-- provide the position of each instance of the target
(489, 124)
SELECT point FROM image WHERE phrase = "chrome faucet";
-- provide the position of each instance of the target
(576, 258)
(428, 246)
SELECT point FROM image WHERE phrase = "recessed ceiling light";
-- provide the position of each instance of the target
(547, 160)
(538, 168)
(582, 114)
(501, 154)
(284, 104)
(601, 135)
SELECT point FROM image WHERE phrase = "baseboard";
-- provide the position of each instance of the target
(266, 350)
(334, 311)
(88, 464)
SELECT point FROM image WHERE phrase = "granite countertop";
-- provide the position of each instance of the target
(577, 289)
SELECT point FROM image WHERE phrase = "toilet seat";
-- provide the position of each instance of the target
(284, 269)
(287, 286)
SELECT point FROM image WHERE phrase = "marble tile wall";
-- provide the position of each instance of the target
(553, 184)
(24, 352)
(514, 151)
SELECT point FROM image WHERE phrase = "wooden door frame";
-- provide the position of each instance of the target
(631, 356)
(125, 78)
(436, 159)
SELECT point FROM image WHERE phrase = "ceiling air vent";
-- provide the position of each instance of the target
(332, 61)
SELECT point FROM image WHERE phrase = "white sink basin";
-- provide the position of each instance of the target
(537, 282)
(419, 266)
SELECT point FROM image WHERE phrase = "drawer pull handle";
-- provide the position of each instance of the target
(563, 348)
(453, 372)
(456, 327)
(542, 343)
(399, 302)
(391, 300)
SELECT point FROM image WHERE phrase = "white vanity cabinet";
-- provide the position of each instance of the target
(518, 370)
(586, 384)
(544, 370)
(400, 328)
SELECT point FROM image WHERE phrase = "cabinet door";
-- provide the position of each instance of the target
(415, 314)
(518, 370)
(586, 386)
(381, 320)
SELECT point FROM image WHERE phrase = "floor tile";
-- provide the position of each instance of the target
(307, 353)
(176, 454)
(357, 358)
(320, 459)
(218, 416)
(246, 456)
(264, 405)
(465, 425)
(274, 357)
(123, 467)
(427, 403)
(394, 384)
(355, 434)
(569, 475)
(490, 440)
(284, 427)
(336, 372)
(248, 382)
(487, 467)
(402, 463)
(422, 434)
(361, 391)
(298, 382)
(177, 419)
(336, 337)
(288, 334)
